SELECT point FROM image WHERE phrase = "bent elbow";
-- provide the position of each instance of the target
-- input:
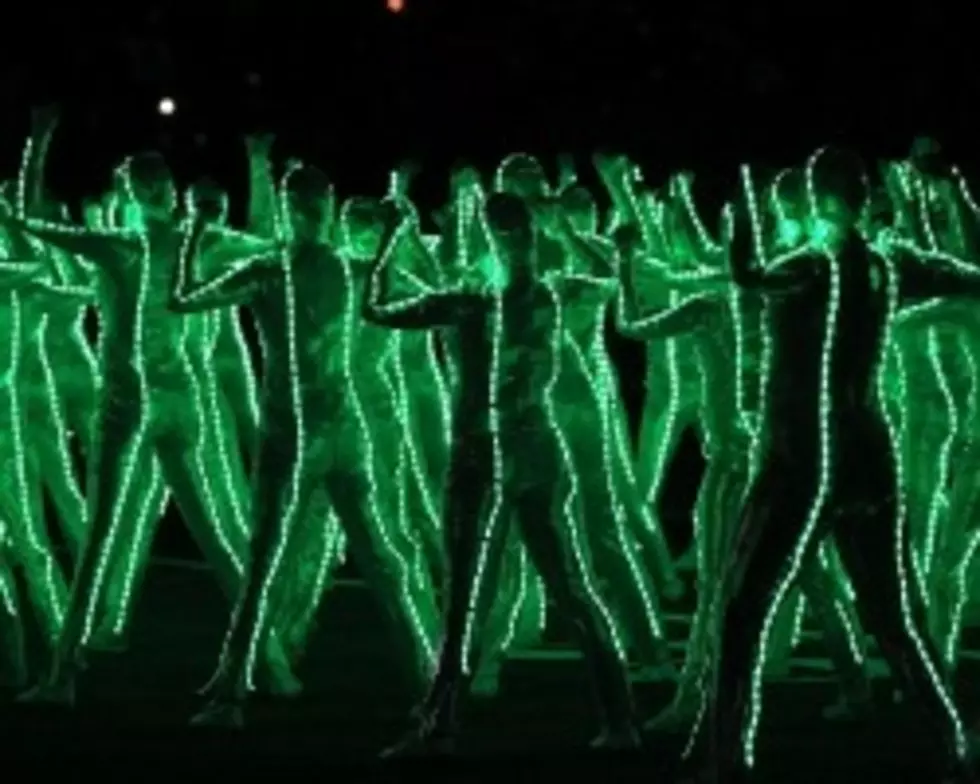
(181, 305)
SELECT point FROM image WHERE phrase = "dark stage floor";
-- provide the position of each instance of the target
(132, 711)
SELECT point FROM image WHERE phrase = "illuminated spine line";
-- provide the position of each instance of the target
(20, 466)
(214, 427)
(962, 568)
(292, 505)
(370, 466)
(15, 342)
(939, 501)
(396, 393)
(136, 448)
(403, 401)
(54, 409)
(145, 521)
(901, 547)
(497, 504)
(231, 321)
(574, 493)
(816, 512)
(598, 388)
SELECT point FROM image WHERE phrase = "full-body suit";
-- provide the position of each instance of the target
(828, 465)
(508, 461)
(315, 436)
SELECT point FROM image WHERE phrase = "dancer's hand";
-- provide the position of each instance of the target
(465, 179)
(548, 216)
(259, 143)
(400, 180)
(567, 174)
(44, 118)
(616, 171)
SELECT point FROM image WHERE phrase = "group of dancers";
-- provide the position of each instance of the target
(433, 397)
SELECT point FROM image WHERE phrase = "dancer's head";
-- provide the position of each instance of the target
(308, 204)
(509, 220)
(207, 199)
(93, 214)
(8, 196)
(837, 186)
(522, 175)
(362, 225)
(877, 215)
(146, 180)
(580, 209)
(787, 208)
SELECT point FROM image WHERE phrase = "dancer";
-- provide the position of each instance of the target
(144, 411)
(828, 455)
(592, 423)
(671, 386)
(315, 431)
(508, 458)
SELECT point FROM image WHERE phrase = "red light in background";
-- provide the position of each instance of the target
(395, 6)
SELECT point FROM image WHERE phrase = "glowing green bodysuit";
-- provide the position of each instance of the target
(315, 431)
(509, 460)
(147, 377)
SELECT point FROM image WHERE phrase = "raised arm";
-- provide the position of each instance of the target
(30, 182)
(749, 265)
(597, 259)
(233, 283)
(262, 186)
(425, 310)
(619, 176)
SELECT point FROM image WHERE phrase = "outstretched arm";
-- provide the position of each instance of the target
(582, 289)
(425, 310)
(599, 259)
(937, 312)
(262, 187)
(235, 282)
(15, 274)
(216, 247)
(925, 275)
(56, 295)
(691, 313)
(103, 247)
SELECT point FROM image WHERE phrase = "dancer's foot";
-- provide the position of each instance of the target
(108, 640)
(421, 743)
(688, 562)
(653, 673)
(486, 684)
(60, 691)
(229, 714)
(654, 663)
(15, 683)
(673, 589)
(277, 679)
(223, 685)
(677, 717)
(848, 709)
(621, 739)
